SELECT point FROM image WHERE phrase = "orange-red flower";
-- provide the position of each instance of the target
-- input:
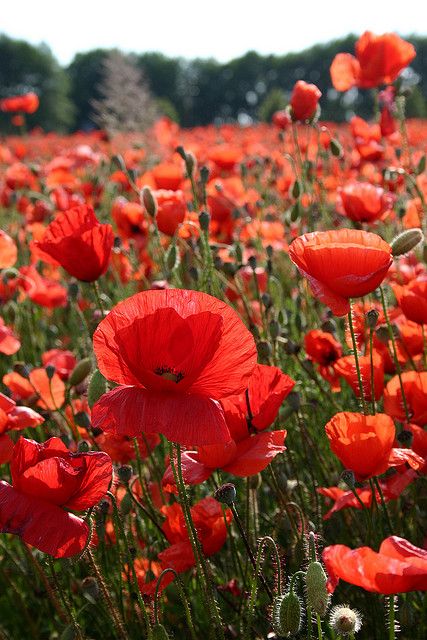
(171, 209)
(27, 103)
(415, 388)
(364, 202)
(346, 368)
(304, 100)
(341, 264)
(379, 60)
(412, 299)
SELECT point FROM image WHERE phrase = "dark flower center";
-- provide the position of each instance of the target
(168, 373)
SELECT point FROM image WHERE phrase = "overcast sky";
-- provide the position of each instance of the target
(223, 29)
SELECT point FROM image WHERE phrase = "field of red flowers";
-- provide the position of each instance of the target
(214, 374)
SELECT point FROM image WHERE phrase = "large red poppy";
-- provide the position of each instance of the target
(364, 444)
(341, 264)
(412, 299)
(80, 244)
(304, 100)
(415, 388)
(398, 567)
(379, 60)
(175, 353)
(47, 479)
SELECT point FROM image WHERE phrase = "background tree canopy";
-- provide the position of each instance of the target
(194, 92)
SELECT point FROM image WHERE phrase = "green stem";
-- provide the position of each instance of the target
(391, 619)
(118, 624)
(183, 599)
(356, 360)
(319, 627)
(371, 360)
(383, 504)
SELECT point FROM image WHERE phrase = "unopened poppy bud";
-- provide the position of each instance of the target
(329, 326)
(382, 334)
(421, 166)
(9, 274)
(226, 493)
(348, 477)
(171, 257)
(238, 251)
(274, 328)
(149, 201)
(294, 400)
(286, 614)
(372, 318)
(252, 262)
(295, 212)
(230, 269)
(22, 369)
(81, 418)
(296, 189)
(204, 220)
(104, 505)
(159, 632)
(406, 241)
(83, 446)
(117, 242)
(118, 161)
(290, 347)
(50, 371)
(180, 151)
(266, 300)
(190, 163)
(405, 438)
(204, 174)
(336, 148)
(97, 387)
(125, 472)
(317, 594)
(80, 371)
(90, 588)
(264, 349)
(345, 621)
(73, 290)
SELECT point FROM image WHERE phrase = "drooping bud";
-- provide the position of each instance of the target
(149, 201)
(345, 621)
(317, 594)
(22, 369)
(405, 438)
(336, 148)
(204, 220)
(226, 493)
(80, 371)
(125, 472)
(81, 418)
(97, 387)
(348, 478)
(286, 614)
(83, 446)
(90, 588)
(406, 242)
(50, 371)
(372, 318)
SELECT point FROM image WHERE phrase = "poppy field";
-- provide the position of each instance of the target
(213, 365)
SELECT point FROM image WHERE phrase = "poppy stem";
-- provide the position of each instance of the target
(383, 504)
(203, 573)
(356, 359)
(183, 599)
(396, 359)
(371, 360)
(319, 627)
(65, 602)
(95, 287)
(391, 619)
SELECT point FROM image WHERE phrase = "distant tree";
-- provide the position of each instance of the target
(126, 103)
(416, 104)
(24, 68)
(275, 100)
(85, 73)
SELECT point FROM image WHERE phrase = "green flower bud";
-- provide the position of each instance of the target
(406, 241)
(80, 371)
(317, 595)
(97, 387)
(204, 220)
(50, 371)
(149, 201)
(82, 419)
(286, 614)
(336, 148)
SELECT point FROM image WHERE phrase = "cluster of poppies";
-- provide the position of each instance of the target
(238, 306)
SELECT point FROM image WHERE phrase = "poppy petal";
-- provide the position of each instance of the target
(255, 453)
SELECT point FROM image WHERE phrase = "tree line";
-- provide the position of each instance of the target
(192, 92)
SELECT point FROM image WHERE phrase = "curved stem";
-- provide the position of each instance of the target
(356, 360)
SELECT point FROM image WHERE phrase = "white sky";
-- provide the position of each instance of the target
(223, 29)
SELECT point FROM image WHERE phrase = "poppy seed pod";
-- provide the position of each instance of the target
(80, 371)
(286, 614)
(317, 594)
(345, 621)
(406, 242)
(149, 201)
(226, 494)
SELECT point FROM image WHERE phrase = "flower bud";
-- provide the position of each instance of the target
(90, 588)
(50, 371)
(159, 632)
(204, 220)
(286, 614)
(336, 148)
(317, 594)
(348, 477)
(73, 290)
(22, 369)
(97, 387)
(372, 318)
(264, 349)
(406, 241)
(149, 201)
(83, 446)
(80, 371)
(125, 472)
(382, 335)
(226, 493)
(81, 418)
(252, 262)
(204, 174)
(405, 438)
(345, 621)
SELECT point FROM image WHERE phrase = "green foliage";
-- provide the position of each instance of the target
(274, 101)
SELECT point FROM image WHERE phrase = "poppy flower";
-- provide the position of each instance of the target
(321, 347)
(171, 209)
(346, 368)
(415, 388)
(379, 60)
(364, 444)
(412, 299)
(80, 244)
(304, 100)
(174, 353)
(9, 343)
(168, 176)
(63, 360)
(398, 567)
(122, 449)
(281, 119)
(47, 479)
(8, 251)
(42, 291)
(211, 525)
(341, 264)
(50, 392)
(27, 103)
(364, 202)
(15, 418)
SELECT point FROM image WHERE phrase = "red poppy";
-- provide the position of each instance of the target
(379, 60)
(364, 202)
(210, 523)
(304, 100)
(321, 347)
(27, 103)
(8, 251)
(80, 244)
(346, 368)
(398, 567)
(168, 176)
(341, 264)
(9, 343)
(415, 388)
(175, 353)
(42, 291)
(281, 119)
(171, 209)
(122, 448)
(412, 299)
(364, 444)
(64, 361)
(50, 392)
(47, 479)
(13, 418)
